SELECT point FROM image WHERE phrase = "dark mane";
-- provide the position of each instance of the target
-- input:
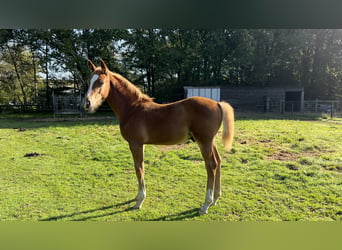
(133, 90)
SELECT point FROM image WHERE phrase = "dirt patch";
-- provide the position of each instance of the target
(20, 129)
(62, 138)
(291, 156)
(284, 156)
(266, 141)
(34, 154)
(333, 167)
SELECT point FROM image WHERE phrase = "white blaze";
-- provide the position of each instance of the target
(92, 81)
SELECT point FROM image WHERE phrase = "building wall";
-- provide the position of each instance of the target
(252, 98)
(209, 92)
(263, 99)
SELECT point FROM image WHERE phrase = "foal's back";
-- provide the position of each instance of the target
(173, 123)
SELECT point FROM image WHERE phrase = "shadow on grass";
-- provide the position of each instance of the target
(86, 215)
(88, 212)
(178, 216)
(46, 122)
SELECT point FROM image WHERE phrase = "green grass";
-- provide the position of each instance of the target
(279, 169)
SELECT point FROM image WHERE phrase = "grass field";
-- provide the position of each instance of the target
(280, 169)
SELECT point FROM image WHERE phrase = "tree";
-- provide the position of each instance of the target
(18, 70)
(144, 55)
(164, 60)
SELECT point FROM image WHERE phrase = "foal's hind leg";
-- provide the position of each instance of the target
(211, 167)
(217, 192)
(138, 157)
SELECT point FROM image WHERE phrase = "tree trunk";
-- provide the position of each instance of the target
(317, 65)
(14, 61)
(47, 74)
(149, 81)
(35, 81)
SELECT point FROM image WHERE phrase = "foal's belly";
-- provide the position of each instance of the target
(167, 137)
(158, 124)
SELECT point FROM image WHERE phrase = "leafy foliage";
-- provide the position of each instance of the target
(162, 59)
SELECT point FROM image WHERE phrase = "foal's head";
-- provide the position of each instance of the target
(99, 85)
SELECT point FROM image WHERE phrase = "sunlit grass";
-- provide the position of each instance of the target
(83, 170)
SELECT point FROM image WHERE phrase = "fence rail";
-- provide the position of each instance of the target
(333, 108)
(39, 108)
(25, 108)
(321, 106)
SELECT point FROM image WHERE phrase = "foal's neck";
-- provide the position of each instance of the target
(122, 97)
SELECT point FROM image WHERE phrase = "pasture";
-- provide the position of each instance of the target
(280, 169)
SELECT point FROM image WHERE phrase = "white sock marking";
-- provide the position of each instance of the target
(140, 198)
(208, 201)
(209, 196)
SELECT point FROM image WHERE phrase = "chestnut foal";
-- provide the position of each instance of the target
(142, 121)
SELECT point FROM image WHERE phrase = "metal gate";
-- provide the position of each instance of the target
(67, 105)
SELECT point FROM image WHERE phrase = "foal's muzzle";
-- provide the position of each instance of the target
(86, 104)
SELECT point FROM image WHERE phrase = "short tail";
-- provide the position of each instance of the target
(228, 125)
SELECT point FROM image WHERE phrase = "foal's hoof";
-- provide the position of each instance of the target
(203, 211)
(138, 205)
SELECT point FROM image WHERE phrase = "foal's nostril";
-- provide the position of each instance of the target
(86, 104)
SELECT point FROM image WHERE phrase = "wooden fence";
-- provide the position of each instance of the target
(333, 108)
(29, 108)
(64, 105)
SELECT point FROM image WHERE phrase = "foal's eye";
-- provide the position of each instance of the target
(98, 84)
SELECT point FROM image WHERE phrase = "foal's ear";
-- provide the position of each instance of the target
(91, 66)
(103, 67)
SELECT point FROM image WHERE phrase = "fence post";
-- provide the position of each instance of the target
(53, 104)
(281, 107)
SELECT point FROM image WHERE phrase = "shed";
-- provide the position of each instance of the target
(209, 92)
(283, 99)
(279, 99)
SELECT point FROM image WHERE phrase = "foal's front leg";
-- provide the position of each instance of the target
(138, 157)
